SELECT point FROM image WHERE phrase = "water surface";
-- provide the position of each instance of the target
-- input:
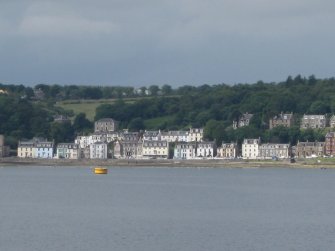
(151, 209)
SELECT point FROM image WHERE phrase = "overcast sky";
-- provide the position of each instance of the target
(176, 42)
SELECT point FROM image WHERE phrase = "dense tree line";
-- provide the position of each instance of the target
(73, 92)
(215, 108)
(23, 115)
(22, 119)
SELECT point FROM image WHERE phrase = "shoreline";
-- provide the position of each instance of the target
(210, 163)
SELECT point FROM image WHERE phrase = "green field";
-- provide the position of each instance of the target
(87, 106)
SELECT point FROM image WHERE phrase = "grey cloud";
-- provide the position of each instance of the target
(176, 42)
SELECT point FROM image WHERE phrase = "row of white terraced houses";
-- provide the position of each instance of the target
(154, 148)
(121, 144)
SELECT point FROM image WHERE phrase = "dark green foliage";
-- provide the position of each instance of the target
(81, 124)
(136, 125)
(22, 119)
(167, 90)
(196, 106)
(212, 107)
(154, 89)
(215, 130)
(62, 132)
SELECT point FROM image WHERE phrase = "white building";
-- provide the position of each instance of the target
(250, 148)
(175, 136)
(44, 150)
(152, 135)
(129, 136)
(98, 150)
(244, 120)
(270, 151)
(68, 151)
(85, 141)
(132, 149)
(195, 134)
(206, 149)
(104, 137)
(155, 149)
(36, 148)
(185, 150)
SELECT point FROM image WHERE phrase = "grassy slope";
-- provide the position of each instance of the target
(89, 106)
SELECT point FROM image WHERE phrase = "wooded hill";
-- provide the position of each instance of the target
(26, 112)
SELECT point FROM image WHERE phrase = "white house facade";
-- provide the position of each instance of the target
(98, 150)
(250, 148)
(175, 136)
(270, 151)
(206, 149)
(185, 150)
(68, 151)
(195, 134)
(44, 150)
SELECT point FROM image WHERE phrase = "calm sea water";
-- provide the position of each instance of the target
(154, 209)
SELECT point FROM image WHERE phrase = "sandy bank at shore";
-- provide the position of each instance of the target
(216, 163)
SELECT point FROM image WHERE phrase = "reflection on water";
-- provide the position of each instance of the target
(166, 209)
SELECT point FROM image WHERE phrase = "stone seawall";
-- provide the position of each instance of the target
(219, 163)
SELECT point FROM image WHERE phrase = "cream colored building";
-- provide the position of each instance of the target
(35, 148)
(250, 148)
(155, 149)
(26, 149)
(228, 151)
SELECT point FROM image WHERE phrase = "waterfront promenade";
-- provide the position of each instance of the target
(214, 163)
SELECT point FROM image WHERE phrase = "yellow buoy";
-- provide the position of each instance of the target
(100, 170)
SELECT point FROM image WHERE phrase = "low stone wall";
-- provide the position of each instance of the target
(148, 162)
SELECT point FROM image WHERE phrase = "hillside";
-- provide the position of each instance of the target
(212, 107)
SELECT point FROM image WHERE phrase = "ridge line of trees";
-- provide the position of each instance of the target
(23, 114)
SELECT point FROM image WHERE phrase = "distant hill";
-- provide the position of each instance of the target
(214, 107)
